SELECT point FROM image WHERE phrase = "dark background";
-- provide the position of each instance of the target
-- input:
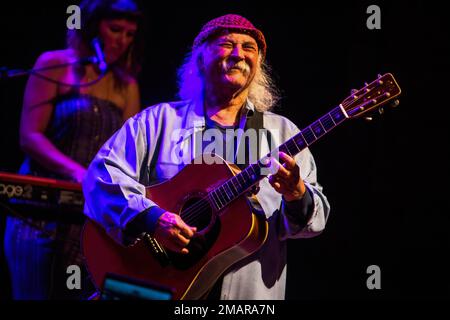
(386, 180)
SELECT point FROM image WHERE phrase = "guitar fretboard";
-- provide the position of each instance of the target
(234, 187)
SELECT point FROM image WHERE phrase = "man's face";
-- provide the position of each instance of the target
(230, 60)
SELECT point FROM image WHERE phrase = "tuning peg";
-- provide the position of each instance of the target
(379, 76)
(366, 84)
(395, 103)
(380, 110)
(368, 119)
(353, 91)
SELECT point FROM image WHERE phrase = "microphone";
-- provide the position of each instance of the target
(99, 56)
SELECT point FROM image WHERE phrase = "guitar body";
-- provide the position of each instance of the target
(222, 239)
(210, 197)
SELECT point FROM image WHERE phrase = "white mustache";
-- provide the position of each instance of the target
(241, 65)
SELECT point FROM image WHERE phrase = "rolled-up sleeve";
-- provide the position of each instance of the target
(114, 187)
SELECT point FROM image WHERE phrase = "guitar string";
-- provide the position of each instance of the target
(197, 209)
(193, 212)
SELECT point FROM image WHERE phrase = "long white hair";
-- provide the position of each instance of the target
(262, 91)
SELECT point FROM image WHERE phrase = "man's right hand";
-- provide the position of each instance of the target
(173, 233)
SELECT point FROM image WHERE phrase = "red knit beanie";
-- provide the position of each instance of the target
(230, 22)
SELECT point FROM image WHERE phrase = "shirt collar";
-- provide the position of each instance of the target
(196, 116)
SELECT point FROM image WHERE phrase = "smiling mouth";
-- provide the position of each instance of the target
(234, 69)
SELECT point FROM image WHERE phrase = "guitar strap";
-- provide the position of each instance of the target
(255, 122)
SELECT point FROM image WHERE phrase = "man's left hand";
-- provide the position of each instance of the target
(287, 180)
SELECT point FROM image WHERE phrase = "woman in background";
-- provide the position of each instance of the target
(68, 113)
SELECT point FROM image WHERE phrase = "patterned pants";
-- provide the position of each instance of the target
(38, 256)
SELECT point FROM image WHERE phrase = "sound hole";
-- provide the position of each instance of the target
(197, 212)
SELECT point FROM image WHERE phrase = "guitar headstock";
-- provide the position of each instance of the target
(372, 96)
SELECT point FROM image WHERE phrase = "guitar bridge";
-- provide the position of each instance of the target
(157, 250)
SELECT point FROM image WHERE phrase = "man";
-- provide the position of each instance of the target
(224, 85)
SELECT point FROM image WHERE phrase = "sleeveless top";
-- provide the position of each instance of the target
(79, 126)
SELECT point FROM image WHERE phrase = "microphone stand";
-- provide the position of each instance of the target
(6, 73)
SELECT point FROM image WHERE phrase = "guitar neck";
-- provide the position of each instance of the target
(234, 187)
(312, 133)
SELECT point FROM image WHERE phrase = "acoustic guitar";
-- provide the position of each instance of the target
(216, 202)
